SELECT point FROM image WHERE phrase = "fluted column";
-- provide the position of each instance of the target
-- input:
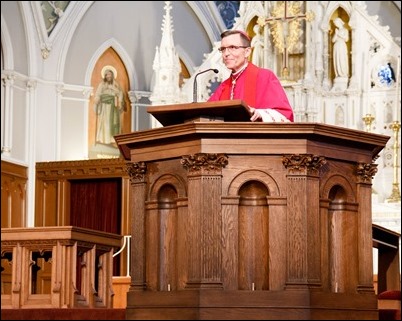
(8, 84)
(303, 223)
(365, 173)
(137, 173)
(204, 219)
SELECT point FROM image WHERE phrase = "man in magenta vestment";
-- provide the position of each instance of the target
(259, 88)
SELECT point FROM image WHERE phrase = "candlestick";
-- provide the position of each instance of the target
(368, 120)
(396, 194)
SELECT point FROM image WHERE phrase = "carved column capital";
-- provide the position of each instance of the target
(204, 163)
(303, 164)
(136, 171)
(60, 89)
(365, 172)
(8, 79)
(31, 84)
(86, 93)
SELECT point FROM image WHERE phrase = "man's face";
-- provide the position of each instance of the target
(234, 58)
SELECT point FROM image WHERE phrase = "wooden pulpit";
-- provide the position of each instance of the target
(239, 220)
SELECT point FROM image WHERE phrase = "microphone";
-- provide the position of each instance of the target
(195, 82)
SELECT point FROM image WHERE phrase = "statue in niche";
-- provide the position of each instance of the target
(257, 43)
(340, 56)
(340, 50)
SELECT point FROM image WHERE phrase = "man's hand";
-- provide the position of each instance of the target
(255, 114)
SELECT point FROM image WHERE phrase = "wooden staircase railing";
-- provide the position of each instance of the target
(57, 267)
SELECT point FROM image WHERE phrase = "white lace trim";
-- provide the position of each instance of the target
(272, 116)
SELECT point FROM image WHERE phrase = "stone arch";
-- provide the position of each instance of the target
(7, 54)
(124, 56)
(333, 6)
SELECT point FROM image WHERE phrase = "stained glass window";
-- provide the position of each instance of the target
(386, 75)
(228, 11)
(52, 12)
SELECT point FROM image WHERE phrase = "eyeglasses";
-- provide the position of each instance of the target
(230, 48)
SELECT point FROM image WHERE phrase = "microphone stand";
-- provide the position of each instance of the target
(195, 82)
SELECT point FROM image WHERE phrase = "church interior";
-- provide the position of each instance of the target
(163, 217)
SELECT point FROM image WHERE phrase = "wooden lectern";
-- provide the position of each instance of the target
(225, 110)
(239, 220)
